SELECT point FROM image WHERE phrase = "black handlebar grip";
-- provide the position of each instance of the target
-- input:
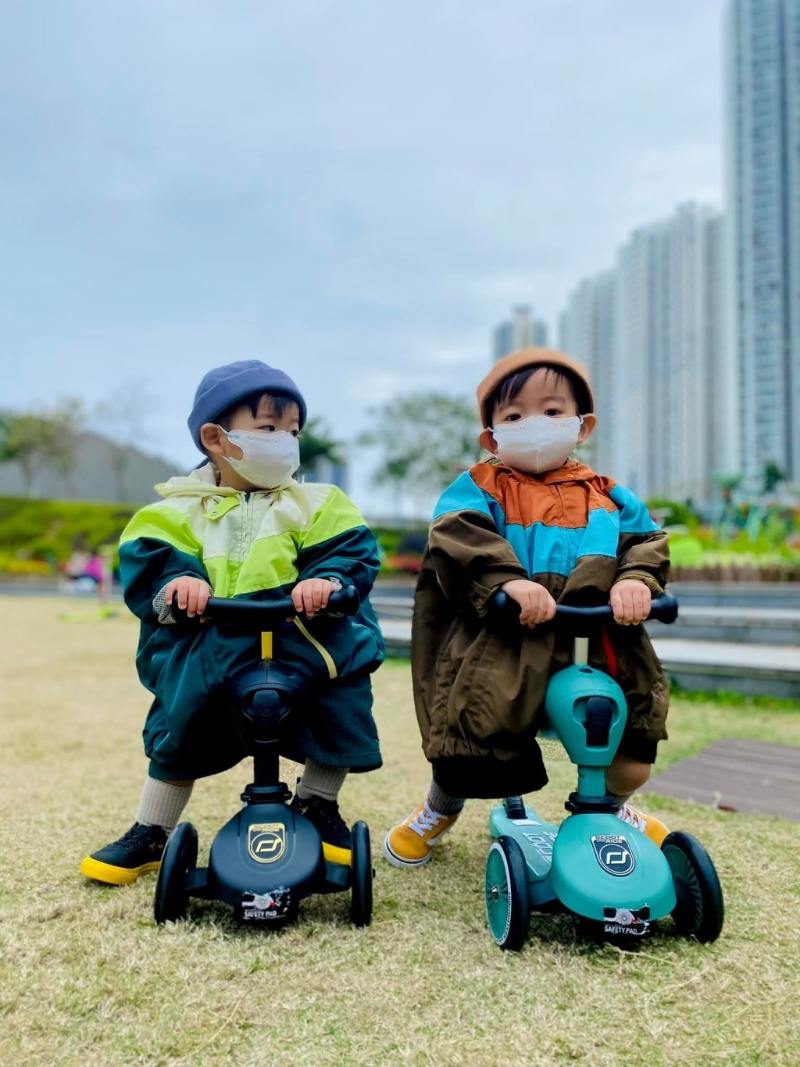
(502, 607)
(346, 601)
(258, 615)
(664, 608)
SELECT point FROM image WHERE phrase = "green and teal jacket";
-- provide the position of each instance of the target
(250, 546)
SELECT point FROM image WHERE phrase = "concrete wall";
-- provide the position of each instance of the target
(101, 471)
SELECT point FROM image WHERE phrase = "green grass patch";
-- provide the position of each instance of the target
(731, 699)
(87, 979)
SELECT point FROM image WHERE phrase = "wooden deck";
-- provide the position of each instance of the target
(752, 777)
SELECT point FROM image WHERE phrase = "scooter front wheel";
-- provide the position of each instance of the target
(700, 911)
(508, 906)
(179, 858)
(361, 875)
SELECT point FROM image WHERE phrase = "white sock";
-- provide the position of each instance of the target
(162, 803)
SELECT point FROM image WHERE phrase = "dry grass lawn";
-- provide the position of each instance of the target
(87, 978)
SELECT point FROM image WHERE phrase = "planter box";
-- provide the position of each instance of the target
(715, 572)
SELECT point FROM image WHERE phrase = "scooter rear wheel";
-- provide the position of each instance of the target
(700, 911)
(508, 905)
(361, 875)
(180, 857)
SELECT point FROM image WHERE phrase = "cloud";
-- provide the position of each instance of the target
(357, 192)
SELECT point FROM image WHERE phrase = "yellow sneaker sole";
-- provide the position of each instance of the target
(106, 872)
(402, 861)
(656, 833)
(333, 854)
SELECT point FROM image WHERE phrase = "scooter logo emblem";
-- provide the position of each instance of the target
(613, 854)
(266, 841)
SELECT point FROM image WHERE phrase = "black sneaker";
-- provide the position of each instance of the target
(121, 862)
(324, 816)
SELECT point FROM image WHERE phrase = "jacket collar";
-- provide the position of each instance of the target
(571, 471)
(202, 482)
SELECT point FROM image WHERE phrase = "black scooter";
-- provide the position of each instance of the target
(267, 858)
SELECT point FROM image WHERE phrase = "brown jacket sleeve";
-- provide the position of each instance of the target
(470, 558)
(646, 557)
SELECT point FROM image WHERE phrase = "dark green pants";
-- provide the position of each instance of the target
(331, 723)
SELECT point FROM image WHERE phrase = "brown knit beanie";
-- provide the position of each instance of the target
(517, 361)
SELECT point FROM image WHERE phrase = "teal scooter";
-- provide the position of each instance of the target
(593, 864)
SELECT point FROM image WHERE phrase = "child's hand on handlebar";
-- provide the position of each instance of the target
(191, 595)
(312, 595)
(536, 604)
(630, 600)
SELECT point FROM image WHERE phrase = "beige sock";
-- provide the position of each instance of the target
(321, 780)
(162, 803)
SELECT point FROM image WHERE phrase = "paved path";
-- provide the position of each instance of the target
(723, 614)
(669, 650)
(772, 670)
(728, 654)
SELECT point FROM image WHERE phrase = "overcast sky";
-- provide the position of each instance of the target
(353, 191)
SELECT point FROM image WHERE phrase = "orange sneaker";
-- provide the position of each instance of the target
(411, 843)
(649, 825)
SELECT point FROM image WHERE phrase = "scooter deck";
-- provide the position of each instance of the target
(608, 871)
(264, 861)
(594, 865)
(536, 838)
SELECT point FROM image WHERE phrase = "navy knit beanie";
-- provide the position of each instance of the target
(226, 385)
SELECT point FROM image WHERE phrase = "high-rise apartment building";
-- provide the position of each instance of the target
(650, 332)
(762, 172)
(586, 330)
(522, 330)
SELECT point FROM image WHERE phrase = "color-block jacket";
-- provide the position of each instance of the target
(478, 693)
(247, 545)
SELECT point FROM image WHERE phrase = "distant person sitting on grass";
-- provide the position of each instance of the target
(546, 529)
(240, 525)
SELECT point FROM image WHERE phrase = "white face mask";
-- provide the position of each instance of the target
(537, 444)
(270, 458)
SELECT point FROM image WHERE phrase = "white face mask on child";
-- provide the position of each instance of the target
(537, 444)
(269, 459)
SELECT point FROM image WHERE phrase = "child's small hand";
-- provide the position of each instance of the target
(312, 595)
(192, 594)
(536, 604)
(630, 600)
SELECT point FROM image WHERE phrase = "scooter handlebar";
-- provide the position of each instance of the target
(260, 615)
(502, 608)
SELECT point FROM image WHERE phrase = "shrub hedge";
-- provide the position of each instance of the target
(36, 535)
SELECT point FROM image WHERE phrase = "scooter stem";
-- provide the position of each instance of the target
(581, 652)
(591, 781)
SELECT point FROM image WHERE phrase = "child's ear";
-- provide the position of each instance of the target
(587, 428)
(211, 438)
(488, 442)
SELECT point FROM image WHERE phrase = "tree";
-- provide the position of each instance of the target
(425, 440)
(68, 416)
(316, 444)
(36, 440)
(9, 446)
(773, 476)
(122, 416)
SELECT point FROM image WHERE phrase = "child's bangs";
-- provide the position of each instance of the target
(556, 378)
(278, 401)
